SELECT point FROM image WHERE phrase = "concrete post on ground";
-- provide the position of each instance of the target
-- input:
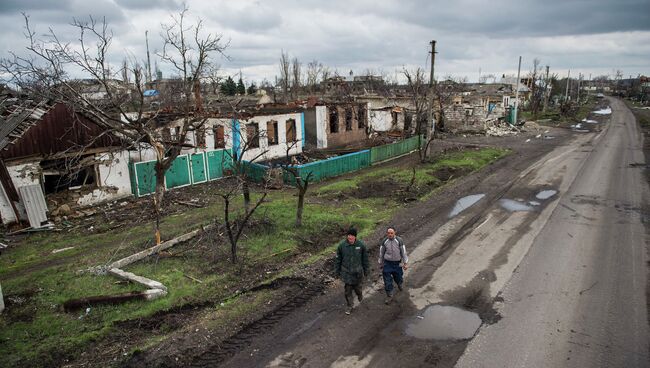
(2, 300)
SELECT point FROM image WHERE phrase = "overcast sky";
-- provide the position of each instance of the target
(589, 36)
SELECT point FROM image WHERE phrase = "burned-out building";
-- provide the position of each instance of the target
(476, 104)
(336, 125)
(51, 156)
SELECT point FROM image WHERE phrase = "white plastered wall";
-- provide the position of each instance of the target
(114, 178)
(321, 126)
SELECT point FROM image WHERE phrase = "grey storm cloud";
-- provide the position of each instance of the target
(367, 34)
(146, 4)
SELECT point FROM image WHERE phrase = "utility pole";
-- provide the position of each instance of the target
(146, 37)
(514, 116)
(566, 92)
(579, 80)
(547, 92)
(431, 119)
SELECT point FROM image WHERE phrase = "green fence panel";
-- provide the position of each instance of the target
(199, 168)
(144, 178)
(217, 162)
(256, 172)
(331, 167)
(134, 185)
(388, 151)
(178, 174)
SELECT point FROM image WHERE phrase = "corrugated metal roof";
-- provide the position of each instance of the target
(34, 202)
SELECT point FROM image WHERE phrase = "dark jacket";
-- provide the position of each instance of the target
(352, 261)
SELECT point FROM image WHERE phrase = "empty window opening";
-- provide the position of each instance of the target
(253, 135)
(272, 132)
(64, 174)
(200, 137)
(219, 137)
(291, 130)
(334, 120)
(361, 117)
(348, 119)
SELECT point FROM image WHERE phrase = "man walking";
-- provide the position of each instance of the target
(352, 266)
(392, 258)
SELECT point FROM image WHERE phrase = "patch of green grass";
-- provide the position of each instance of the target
(339, 186)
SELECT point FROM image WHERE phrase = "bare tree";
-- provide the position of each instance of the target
(284, 74)
(536, 96)
(44, 75)
(418, 89)
(302, 183)
(249, 141)
(296, 76)
(314, 70)
(235, 227)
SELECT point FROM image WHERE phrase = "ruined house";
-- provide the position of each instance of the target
(51, 156)
(267, 134)
(477, 104)
(336, 125)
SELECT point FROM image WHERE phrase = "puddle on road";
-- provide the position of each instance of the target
(465, 203)
(439, 322)
(513, 206)
(546, 194)
(534, 203)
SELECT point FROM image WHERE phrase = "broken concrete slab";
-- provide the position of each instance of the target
(152, 284)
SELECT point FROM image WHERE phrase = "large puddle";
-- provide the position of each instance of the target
(546, 194)
(465, 203)
(441, 322)
(514, 206)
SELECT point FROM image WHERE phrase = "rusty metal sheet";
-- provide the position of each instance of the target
(34, 202)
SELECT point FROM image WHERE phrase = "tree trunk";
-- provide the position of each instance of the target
(301, 204)
(247, 195)
(158, 199)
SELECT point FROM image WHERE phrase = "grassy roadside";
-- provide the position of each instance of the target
(34, 331)
(553, 113)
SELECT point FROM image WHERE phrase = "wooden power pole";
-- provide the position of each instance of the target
(431, 97)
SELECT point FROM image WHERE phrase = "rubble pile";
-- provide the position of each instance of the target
(500, 129)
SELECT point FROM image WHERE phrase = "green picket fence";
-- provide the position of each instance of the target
(334, 166)
(388, 151)
(186, 170)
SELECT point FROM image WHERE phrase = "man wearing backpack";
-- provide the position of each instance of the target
(393, 260)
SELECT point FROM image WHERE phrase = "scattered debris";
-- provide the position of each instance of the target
(190, 204)
(497, 129)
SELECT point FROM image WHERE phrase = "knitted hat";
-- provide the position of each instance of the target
(352, 231)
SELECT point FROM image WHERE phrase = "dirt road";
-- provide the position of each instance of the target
(579, 297)
(565, 218)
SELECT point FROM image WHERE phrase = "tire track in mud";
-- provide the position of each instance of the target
(222, 351)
